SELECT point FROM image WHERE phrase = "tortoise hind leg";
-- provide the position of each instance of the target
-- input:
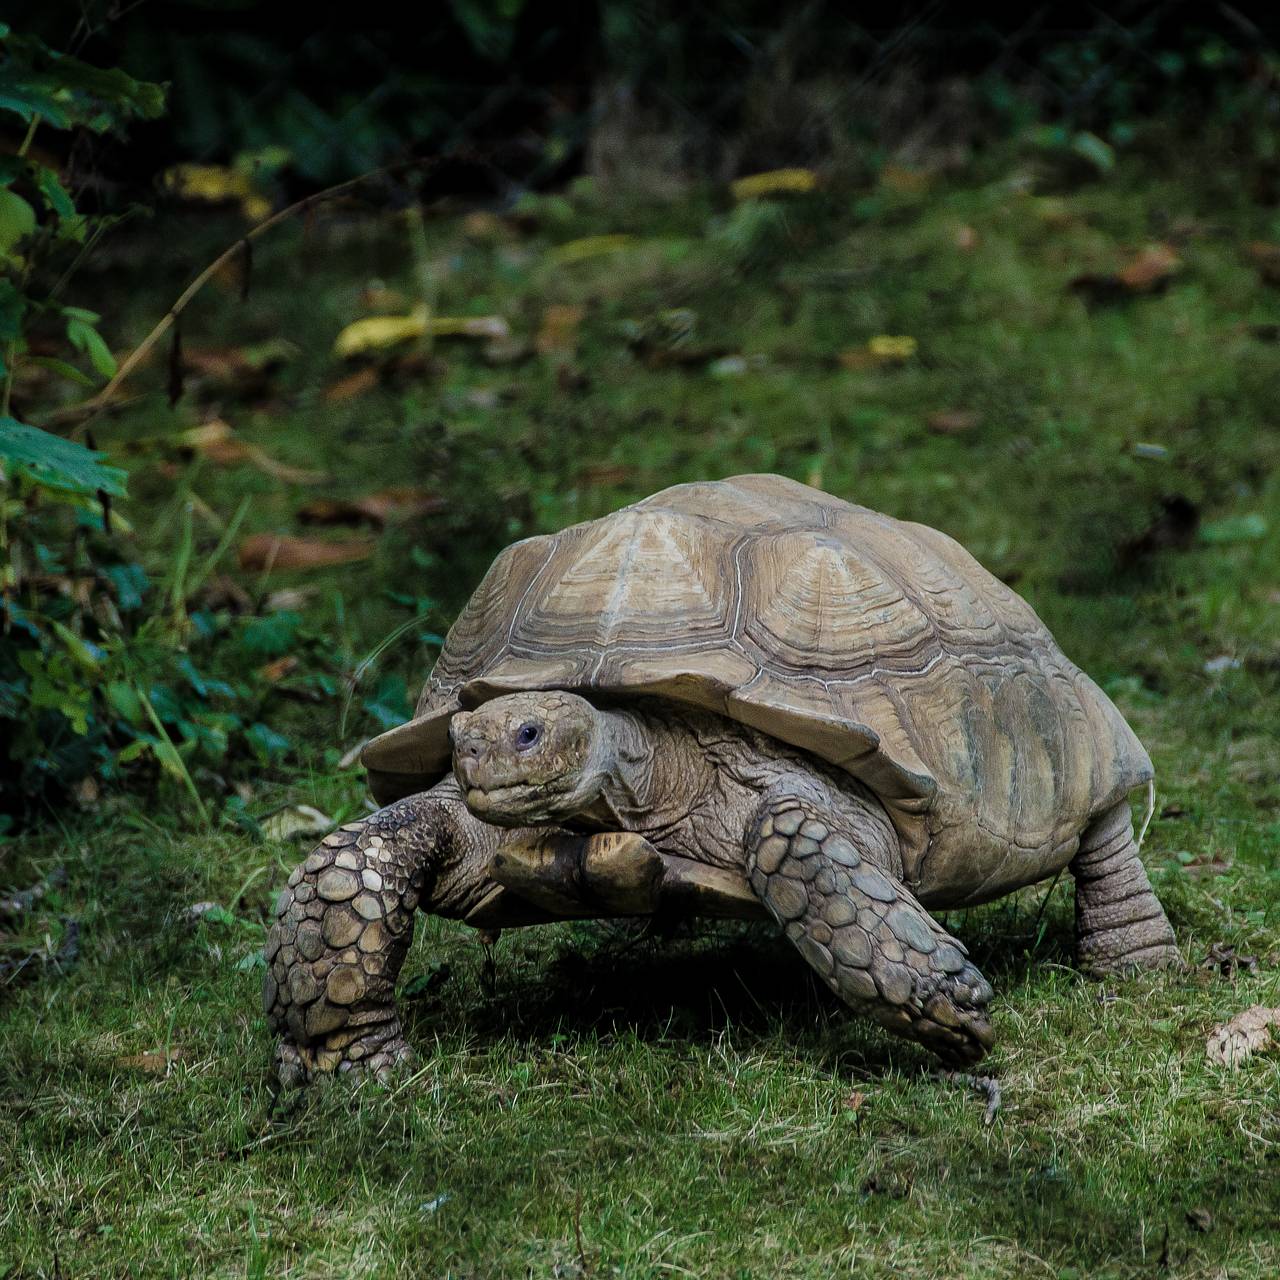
(863, 931)
(1120, 924)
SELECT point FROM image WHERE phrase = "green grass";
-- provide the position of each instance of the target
(596, 1104)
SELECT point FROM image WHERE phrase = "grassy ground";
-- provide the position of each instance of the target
(591, 1103)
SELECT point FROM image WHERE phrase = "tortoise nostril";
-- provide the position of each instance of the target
(469, 749)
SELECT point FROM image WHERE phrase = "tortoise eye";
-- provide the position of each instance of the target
(528, 735)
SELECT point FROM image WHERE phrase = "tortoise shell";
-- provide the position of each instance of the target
(877, 644)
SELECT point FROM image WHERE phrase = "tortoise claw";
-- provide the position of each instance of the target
(378, 1055)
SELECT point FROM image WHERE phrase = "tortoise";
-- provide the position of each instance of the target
(739, 698)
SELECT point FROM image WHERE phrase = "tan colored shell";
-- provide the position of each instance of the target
(879, 645)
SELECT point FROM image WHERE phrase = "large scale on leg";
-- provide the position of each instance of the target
(782, 631)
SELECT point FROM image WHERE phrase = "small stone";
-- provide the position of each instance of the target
(368, 906)
(770, 853)
(911, 928)
(840, 850)
(869, 881)
(816, 954)
(893, 980)
(337, 885)
(788, 823)
(302, 986)
(948, 958)
(341, 927)
(815, 830)
(304, 892)
(347, 860)
(371, 879)
(346, 985)
(374, 938)
(851, 946)
(803, 847)
(787, 897)
(838, 911)
(310, 943)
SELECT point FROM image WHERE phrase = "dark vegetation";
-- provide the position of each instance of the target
(1058, 343)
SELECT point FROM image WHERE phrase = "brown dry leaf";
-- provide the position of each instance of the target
(1235, 1042)
(1150, 270)
(558, 333)
(279, 668)
(295, 821)
(905, 182)
(1266, 258)
(952, 422)
(400, 502)
(1146, 274)
(218, 441)
(155, 1061)
(855, 1100)
(352, 385)
(605, 473)
(263, 552)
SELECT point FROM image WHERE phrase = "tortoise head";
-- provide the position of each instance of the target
(530, 757)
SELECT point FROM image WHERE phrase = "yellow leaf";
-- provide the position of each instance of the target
(375, 333)
(215, 183)
(886, 346)
(590, 247)
(774, 182)
(468, 327)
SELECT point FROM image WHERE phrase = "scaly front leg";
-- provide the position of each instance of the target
(342, 929)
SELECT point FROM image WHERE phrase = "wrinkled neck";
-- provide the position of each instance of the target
(634, 761)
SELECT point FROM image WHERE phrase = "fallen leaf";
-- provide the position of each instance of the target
(216, 184)
(1266, 258)
(1228, 961)
(352, 385)
(589, 247)
(377, 333)
(883, 349)
(606, 473)
(952, 422)
(295, 821)
(155, 1061)
(278, 669)
(288, 598)
(558, 333)
(1150, 270)
(905, 182)
(263, 552)
(1235, 1042)
(774, 182)
(377, 509)
(218, 441)
(1146, 274)
(855, 1100)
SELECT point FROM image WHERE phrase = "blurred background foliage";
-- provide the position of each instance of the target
(116, 664)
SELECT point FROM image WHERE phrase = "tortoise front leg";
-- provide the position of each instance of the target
(343, 926)
(862, 930)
